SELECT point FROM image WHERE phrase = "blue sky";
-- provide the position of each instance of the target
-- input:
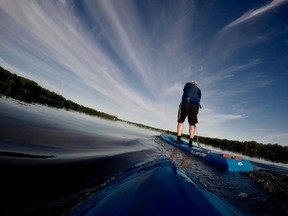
(132, 58)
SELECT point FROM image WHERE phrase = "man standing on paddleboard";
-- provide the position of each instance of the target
(189, 106)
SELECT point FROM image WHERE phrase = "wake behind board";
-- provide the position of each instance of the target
(227, 162)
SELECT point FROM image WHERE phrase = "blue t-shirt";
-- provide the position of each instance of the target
(192, 92)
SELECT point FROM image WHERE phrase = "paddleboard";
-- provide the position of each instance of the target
(224, 161)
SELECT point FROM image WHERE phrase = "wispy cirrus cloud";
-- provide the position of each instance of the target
(254, 13)
(121, 61)
(119, 65)
(132, 59)
(209, 115)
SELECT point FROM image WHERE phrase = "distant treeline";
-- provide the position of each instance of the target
(272, 152)
(143, 126)
(29, 91)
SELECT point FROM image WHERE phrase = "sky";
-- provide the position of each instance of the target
(132, 58)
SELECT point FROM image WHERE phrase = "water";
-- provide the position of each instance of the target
(50, 159)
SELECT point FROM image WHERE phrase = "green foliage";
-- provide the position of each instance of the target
(29, 91)
(143, 126)
(272, 152)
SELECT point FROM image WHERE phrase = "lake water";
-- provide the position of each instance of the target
(50, 159)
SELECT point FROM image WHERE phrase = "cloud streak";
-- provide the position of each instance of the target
(254, 13)
(52, 36)
(131, 59)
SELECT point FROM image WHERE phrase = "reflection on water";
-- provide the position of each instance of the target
(184, 157)
(67, 151)
(74, 153)
(41, 129)
(43, 116)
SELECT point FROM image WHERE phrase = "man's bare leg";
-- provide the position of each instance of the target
(179, 133)
(179, 129)
(191, 131)
(191, 134)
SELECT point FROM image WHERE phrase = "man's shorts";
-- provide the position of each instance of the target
(190, 110)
